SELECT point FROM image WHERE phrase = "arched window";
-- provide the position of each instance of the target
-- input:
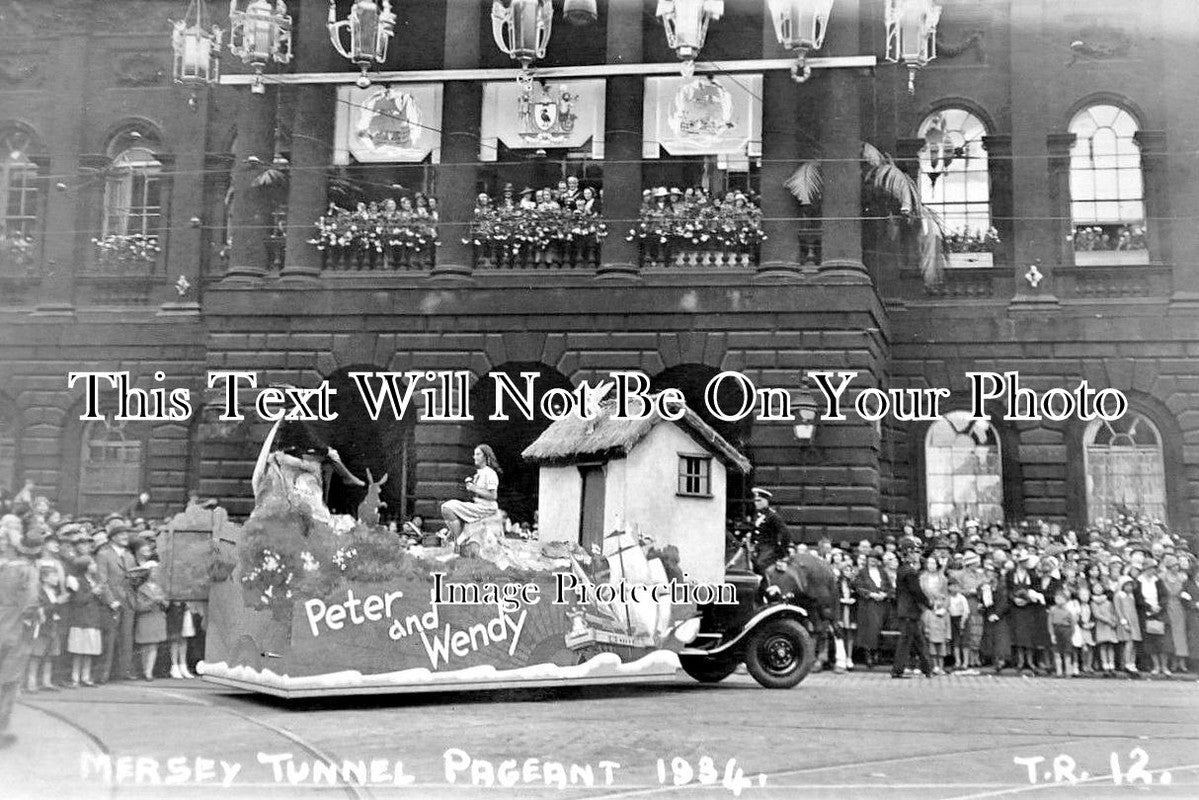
(110, 467)
(1107, 194)
(954, 181)
(133, 194)
(963, 470)
(1124, 468)
(18, 182)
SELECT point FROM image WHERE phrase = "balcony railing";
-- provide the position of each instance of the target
(581, 255)
(690, 256)
(389, 259)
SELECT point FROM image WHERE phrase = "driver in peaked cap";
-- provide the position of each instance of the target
(770, 533)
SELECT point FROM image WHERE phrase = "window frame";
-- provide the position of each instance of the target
(1158, 449)
(1112, 238)
(702, 477)
(975, 160)
(1004, 501)
(143, 178)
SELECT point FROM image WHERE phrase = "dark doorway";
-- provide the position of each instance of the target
(591, 520)
(509, 438)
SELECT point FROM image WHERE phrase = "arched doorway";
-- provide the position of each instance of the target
(509, 438)
(692, 380)
(385, 447)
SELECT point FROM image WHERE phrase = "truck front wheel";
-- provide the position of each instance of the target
(779, 654)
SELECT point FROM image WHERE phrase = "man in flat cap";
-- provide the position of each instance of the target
(770, 533)
(910, 603)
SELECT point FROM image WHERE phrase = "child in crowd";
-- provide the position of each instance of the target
(180, 628)
(1062, 622)
(91, 603)
(47, 642)
(1129, 630)
(1106, 625)
(1085, 639)
(959, 615)
(150, 624)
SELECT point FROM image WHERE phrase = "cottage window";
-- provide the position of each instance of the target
(954, 177)
(1124, 468)
(1107, 193)
(133, 194)
(963, 472)
(695, 476)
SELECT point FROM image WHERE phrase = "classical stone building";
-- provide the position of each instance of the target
(1068, 127)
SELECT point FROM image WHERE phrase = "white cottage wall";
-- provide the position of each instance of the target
(559, 499)
(643, 490)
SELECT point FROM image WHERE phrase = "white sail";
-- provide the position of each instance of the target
(665, 608)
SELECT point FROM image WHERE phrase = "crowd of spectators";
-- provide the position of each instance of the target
(1120, 599)
(102, 613)
(694, 218)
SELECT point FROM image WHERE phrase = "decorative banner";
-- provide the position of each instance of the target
(703, 116)
(388, 123)
(543, 115)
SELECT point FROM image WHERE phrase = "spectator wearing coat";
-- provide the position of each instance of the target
(116, 566)
(876, 595)
(150, 627)
(19, 606)
(1129, 632)
(1150, 594)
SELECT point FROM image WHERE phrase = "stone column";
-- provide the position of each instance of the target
(183, 220)
(621, 259)
(999, 173)
(253, 150)
(1155, 170)
(841, 207)
(64, 245)
(780, 256)
(1043, 243)
(1177, 42)
(461, 123)
(313, 120)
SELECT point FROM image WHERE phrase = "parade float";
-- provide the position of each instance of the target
(625, 580)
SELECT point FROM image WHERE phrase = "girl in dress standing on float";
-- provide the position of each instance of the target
(483, 486)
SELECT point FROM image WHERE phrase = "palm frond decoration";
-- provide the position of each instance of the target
(271, 177)
(806, 183)
(895, 188)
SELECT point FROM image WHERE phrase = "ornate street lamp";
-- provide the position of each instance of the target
(686, 24)
(912, 34)
(370, 30)
(197, 47)
(800, 26)
(521, 29)
(260, 34)
(579, 12)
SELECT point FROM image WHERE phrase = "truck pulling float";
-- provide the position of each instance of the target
(303, 603)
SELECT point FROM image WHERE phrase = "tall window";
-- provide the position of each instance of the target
(963, 470)
(18, 181)
(133, 195)
(954, 181)
(110, 467)
(1107, 196)
(1124, 468)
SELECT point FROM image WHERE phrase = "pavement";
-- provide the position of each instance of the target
(859, 735)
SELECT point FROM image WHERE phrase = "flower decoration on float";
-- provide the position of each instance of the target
(521, 28)
(369, 29)
(800, 26)
(686, 24)
(197, 50)
(912, 34)
(259, 34)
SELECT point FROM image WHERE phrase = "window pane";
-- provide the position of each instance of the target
(963, 470)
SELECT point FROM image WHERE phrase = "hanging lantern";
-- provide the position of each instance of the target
(370, 31)
(800, 26)
(912, 34)
(197, 48)
(579, 12)
(686, 24)
(260, 34)
(522, 28)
